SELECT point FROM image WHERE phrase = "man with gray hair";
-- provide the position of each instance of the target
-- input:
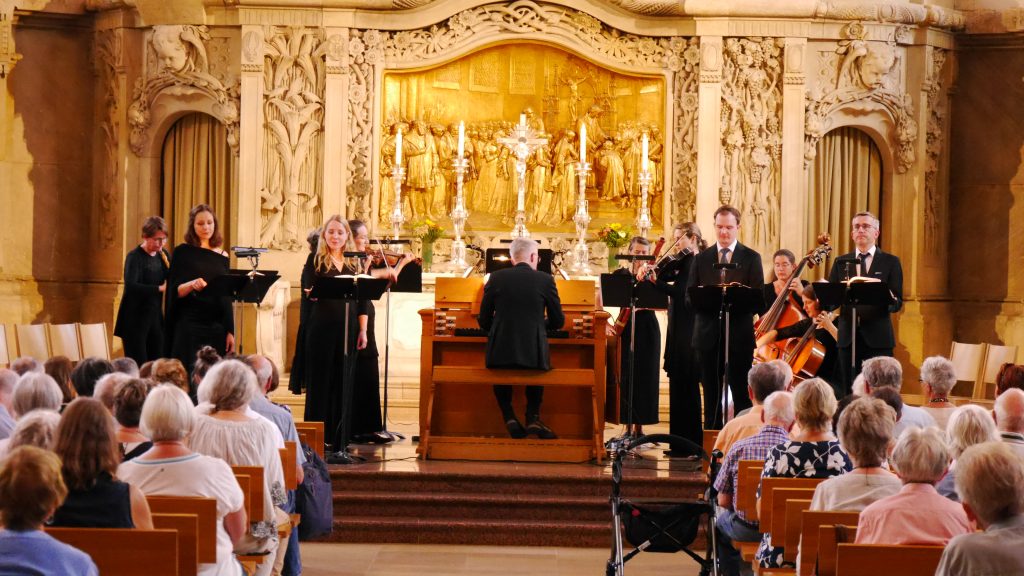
(886, 372)
(512, 313)
(777, 417)
(762, 380)
(1009, 417)
(8, 378)
(25, 364)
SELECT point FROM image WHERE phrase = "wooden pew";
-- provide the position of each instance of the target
(187, 526)
(709, 444)
(312, 434)
(810, 523)
(768, 486)
(250, 480)
(875, 559)
(288, 459)
(205, 510)
(829, 539)
(125, 551)
(793, 515)
(749, 478)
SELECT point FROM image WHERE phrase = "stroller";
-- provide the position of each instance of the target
(663, 526)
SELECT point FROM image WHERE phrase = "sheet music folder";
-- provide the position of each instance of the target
(741, 299)
(618, 290)
(348, 288)
(832, 295)
(242, 286)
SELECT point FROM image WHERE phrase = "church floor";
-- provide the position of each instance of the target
(428, 560)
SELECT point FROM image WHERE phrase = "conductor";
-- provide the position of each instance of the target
(512, 314)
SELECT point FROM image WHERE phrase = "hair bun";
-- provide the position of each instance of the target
(208, 354)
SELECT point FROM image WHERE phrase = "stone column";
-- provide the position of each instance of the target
(250, 136)
(792, 204)
(336, 129)
(709, 131)
(8, 57)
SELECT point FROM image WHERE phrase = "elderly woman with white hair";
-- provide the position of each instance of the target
(35, 391)
(938, 376)
(230, 433)
(169, 468)
(969, 425)
(811, 452)
(990, 481)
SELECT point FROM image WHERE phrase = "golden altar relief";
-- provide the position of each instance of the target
(557, 91)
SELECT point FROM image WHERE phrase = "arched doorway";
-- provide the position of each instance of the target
(845, 178)
(197, 167)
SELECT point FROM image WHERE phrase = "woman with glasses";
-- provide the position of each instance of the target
(140, 319)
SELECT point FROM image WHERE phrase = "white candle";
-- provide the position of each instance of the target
(520, 202)
(462, 139)
(643, 165)
(398, 149)
(583, 143)
(522, 119)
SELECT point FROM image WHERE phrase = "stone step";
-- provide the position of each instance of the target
(478, 532)
(454, 507)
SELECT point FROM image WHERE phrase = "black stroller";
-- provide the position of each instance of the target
(660, 526)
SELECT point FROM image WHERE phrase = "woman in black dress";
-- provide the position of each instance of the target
(196, 317)
(783, 266)
(642, 400)
(325, 331)
(140, 317)
(684, 410)
(367, 425)
(297, 378)
(825, 332)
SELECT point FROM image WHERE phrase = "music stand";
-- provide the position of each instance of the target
(500, 258)
(349, 289)
(725, 299)
(852, 294)
(243, 286)
(625, 291)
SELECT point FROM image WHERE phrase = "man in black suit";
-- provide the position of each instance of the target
(874, 325)
(512, 313)
(708, 338)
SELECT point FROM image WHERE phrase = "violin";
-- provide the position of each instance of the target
(380, 257)
(646, 272)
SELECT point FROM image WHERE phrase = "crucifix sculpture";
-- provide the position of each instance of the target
(522, 142)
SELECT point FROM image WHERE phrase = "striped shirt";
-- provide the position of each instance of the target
(755, 447)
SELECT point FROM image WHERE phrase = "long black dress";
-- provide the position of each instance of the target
(140, 316)
(297, 377)
(202, 318)
(325, 358)
(684, 410)
(366, 416)
(645, 366)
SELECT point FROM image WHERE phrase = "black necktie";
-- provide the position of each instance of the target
(864, 263)
(723, 256)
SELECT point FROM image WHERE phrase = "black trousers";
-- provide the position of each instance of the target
(534, 397)
(712, 365)
(144, 344)
(684, 409)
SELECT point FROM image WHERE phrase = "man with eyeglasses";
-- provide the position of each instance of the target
(874, 324)
(140, 319)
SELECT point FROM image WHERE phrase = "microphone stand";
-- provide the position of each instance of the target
(853, 323)
(725, 313)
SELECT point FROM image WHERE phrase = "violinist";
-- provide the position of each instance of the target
(783, 265)
(825, 332)
(684, 418)
(644, 405)
(367, 426)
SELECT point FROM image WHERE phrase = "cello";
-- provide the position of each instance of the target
(784, 311)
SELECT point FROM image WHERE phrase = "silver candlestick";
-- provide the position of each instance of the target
(459, 215)
(523, 141)
(581, 251)
(643, 219)
(397, 215)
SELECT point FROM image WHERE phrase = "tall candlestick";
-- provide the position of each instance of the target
(462, 140)
(583, 143)
(643, 165)
(522, 119)
(398, 148)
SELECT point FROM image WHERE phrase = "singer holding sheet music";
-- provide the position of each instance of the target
(875, 335)
(708, 336)
(325, 334)
(196, 317)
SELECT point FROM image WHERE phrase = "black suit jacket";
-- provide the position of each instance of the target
(875, 324)
(512, 311)
(741, 326)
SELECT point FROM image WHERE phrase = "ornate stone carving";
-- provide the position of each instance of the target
(752, 136)
(934, 203)
(294, 71)
(180, 68)
(902, 13)
(651, 7)
(8, 56)
(685, 63)
(252, 49)
(365, 52)
(108, 68)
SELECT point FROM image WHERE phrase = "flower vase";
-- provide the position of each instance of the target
(612, 262)
(428, 255)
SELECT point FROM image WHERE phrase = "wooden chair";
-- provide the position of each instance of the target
(810, 523)
(708, 444)
(94, 340)
(792, 523)
(32, 341)
(288, 459)
(829, 539)
(875, 559)
(967, 360)
(64, 341)
(995, 357)
(205, 510)
(125, 551)
(5, 351)
(312, 434)
(187, 526)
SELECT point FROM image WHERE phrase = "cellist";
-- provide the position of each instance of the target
(783, 265)
(825, 332)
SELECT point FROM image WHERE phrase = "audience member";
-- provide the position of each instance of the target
(8, 379)
(128, 401)
(1010, 375)
(969, 425)
(886, 372)
(34, 391)
(917, 514)
(59, 368)
(170, 468)
(171, 371)
(26, 364)
(106, 386)
(1009, 418)
(87, 372)
(938, 376)
(206, 358)
(37, 428)
(813, 452)
(859, 387)
(892, 399)
(762, 380)
(31, 488)
(841, 405)
(734, 525)
(88, 452)
(990, 481)
(146, 370)
(126, 365)
(241, 440)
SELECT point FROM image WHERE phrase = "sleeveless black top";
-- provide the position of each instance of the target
(107, 504)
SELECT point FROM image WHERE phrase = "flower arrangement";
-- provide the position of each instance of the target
(427, 230)
(615, 235)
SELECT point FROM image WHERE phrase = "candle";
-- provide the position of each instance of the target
(583, 143)
(462, 139)
(643, 165)
(398, 149)
(522, 119)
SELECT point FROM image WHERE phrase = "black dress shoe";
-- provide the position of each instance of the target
(538, 429)
(515, 429)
